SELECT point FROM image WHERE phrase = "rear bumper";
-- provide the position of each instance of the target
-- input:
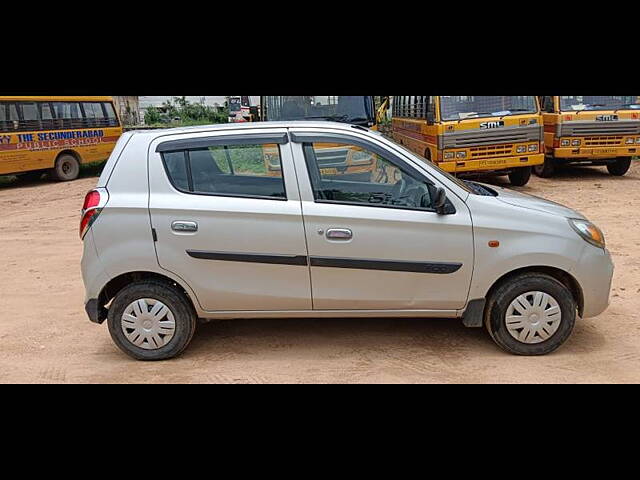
(490, 164)
(96, 312)
(595, 152)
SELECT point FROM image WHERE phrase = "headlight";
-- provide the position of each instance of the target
(461, 154)
(533, 148)
(588, 231)
(638, 140)
(575, 143)
(448, 155)
(565, 143)
(629, 140)
(521, 148)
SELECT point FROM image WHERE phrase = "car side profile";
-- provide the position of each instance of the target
(263, 220)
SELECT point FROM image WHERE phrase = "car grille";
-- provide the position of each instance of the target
(597, 141)
(588, 128)
(492, 151)
(477, 137)
(331, 157)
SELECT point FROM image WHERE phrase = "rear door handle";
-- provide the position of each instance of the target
(339, 234)
(184, 226)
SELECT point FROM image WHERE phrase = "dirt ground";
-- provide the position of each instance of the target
(45, 336)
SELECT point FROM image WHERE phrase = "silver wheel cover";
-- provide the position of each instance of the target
(533, 317)
(148, 324)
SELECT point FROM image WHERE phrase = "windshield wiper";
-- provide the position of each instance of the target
(340, 118)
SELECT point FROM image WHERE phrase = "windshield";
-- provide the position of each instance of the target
(598, 103)
(234, 104)
(462, 184)
(459, 108)
(347, 109)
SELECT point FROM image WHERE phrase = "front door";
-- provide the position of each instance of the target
(227, 216)
(377, 243)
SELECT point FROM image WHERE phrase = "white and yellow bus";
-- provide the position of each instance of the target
(55, 134)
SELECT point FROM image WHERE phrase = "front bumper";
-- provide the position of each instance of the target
(594, 274)
(596, 152)
(492, 163)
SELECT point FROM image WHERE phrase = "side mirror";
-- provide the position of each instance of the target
(431, 117)
(439, 200)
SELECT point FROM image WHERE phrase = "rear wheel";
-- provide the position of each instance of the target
(532, 314)
(151, 321)
(620, 166)
(545, 169)
(520, 176)
(66, 168)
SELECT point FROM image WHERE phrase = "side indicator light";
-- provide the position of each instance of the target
(494, 243)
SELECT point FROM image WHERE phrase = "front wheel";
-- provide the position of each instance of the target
(66, 168)
(545, 169)
(532, 314)
(151, 321)
(520, 176)
(620, 166)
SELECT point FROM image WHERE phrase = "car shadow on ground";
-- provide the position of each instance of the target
(441, 337)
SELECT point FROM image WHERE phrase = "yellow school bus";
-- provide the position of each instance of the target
(55, 134)
(333, 159)
(467, 135)
(590, 130)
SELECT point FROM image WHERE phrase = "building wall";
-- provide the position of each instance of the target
(129, 110)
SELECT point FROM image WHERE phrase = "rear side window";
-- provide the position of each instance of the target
(253, 170)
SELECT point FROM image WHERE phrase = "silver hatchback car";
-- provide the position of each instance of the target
(320, 219)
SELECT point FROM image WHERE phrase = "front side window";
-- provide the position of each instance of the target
(388, 185)
(578, 103)
(228, 170)
(462, 107)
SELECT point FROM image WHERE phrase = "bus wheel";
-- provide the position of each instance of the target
(520, 176)
(620, 166)
(67, 168)
(546, 169)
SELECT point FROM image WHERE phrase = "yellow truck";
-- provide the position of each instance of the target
(472, 135)
(590, 130)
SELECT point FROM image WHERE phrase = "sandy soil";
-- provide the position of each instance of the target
(45, 336)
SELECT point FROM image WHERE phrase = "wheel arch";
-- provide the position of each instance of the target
(562, 276)
(113, 286)
(75, 154)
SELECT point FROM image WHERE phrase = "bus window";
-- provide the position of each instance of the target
(29, 112)
(67, 110)
(46, 112)
(111, 114)
(13, 112)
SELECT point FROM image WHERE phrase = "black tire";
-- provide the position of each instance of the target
(546, 169)
(520, 176)
(620, 166)
(66, 168)
(501, 298)
(180, 307)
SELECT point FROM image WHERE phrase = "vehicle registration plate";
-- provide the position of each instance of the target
(329, 171)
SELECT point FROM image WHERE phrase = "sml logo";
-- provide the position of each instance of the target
(607, 118)
(5, 139)
(492, 124)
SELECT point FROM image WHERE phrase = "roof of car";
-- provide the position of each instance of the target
(244, 126)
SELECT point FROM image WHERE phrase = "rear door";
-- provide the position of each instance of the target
(377, 243)
(228, 220)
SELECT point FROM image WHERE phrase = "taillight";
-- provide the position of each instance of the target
(94, 201)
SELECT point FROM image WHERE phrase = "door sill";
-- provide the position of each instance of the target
(329, 314)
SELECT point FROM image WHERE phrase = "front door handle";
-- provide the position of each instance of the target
(183, 226)
(339, 234)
